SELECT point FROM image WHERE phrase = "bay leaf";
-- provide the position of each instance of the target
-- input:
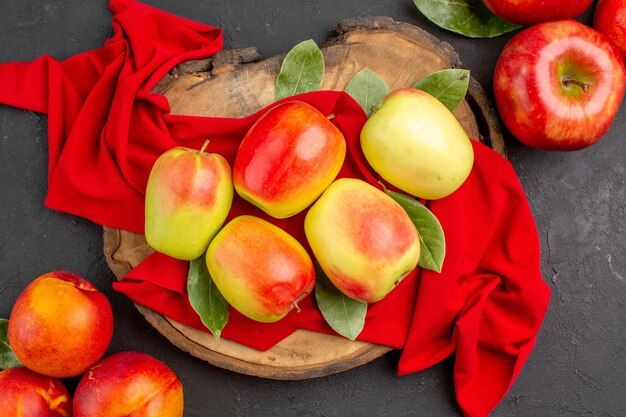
(432, 239)
(205, 298)
(367, 88)
(448, 86)
(302, 71)
(7, 357)
(345, 315)
(470, 18)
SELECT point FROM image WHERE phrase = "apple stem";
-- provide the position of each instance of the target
(204, 145)
(567, 81)
(331, 116)
(296, 307)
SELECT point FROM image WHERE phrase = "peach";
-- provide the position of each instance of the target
(129, 384)
(364, 241)
(60, 325)
(29, 394)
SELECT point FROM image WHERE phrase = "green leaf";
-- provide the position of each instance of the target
(7, 357)
(205, 298)
(470, 18)
(345, 315)
(302, 71)
(367, 88)
(432, 240)
(448, 86)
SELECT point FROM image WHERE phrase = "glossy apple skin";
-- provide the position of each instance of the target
(60, 325)
(287, 159)
(129, 384)
(25, 393)
(529, 12)
(533, 97)
(188, 197)
(364, 241)
(415, 143)
(259, 268)
(610, 19)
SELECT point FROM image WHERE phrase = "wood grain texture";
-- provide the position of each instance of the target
(235, 84)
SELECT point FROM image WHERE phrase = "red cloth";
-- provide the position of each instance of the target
(106, 130)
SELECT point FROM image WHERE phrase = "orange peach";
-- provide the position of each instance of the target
(29, 394)
(60, 325)
(129, 384)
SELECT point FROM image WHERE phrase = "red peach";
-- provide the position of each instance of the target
(60, 325)
(129, 383)
(29, 394)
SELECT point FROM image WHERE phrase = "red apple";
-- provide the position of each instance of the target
(60, 325)
(260, 269)
(528, 12)
(610, 19)
(24, 393)
(558, 85)
(287, 159)
(188, 197)
(129, 384)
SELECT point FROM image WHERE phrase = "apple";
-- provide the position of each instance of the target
(60, 325)
(529, 12)
(558, 85)
(363, 240)
(610, 19)
(415, 143)
(28, 394)
(287, 159)
(129, 384)
(188, 197)
(261, 270)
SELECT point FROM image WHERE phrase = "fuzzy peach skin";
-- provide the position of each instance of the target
(188, 197)
(60, 325)
(24, 393)
(287, 159)
(129, 384)
(260, 269)
(364, 241)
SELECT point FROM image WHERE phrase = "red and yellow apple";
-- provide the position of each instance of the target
(24, 393)
(129, 384)
(558, 85)
(415, 143)
(363, 240)
(529, 12)
(60, 325)
(188, 197)
(261, 270)
(610, 19)
(287, 159)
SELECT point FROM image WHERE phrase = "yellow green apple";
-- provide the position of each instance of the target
(415, 143)
(261, 270)
(287, 159)
(188, 197)
(363, 240)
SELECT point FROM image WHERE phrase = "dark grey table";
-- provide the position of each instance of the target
(578, 367)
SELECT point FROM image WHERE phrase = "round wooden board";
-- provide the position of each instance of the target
(235, 84)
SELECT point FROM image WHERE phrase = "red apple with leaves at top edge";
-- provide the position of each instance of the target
(529, 12)
(610, 19)
(558, 85)
(288, 158)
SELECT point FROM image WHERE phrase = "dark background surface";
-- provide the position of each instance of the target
(578, 367)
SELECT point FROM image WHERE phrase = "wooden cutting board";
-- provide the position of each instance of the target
(237, 83)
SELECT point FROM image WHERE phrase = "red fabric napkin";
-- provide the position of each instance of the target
(106, 129)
